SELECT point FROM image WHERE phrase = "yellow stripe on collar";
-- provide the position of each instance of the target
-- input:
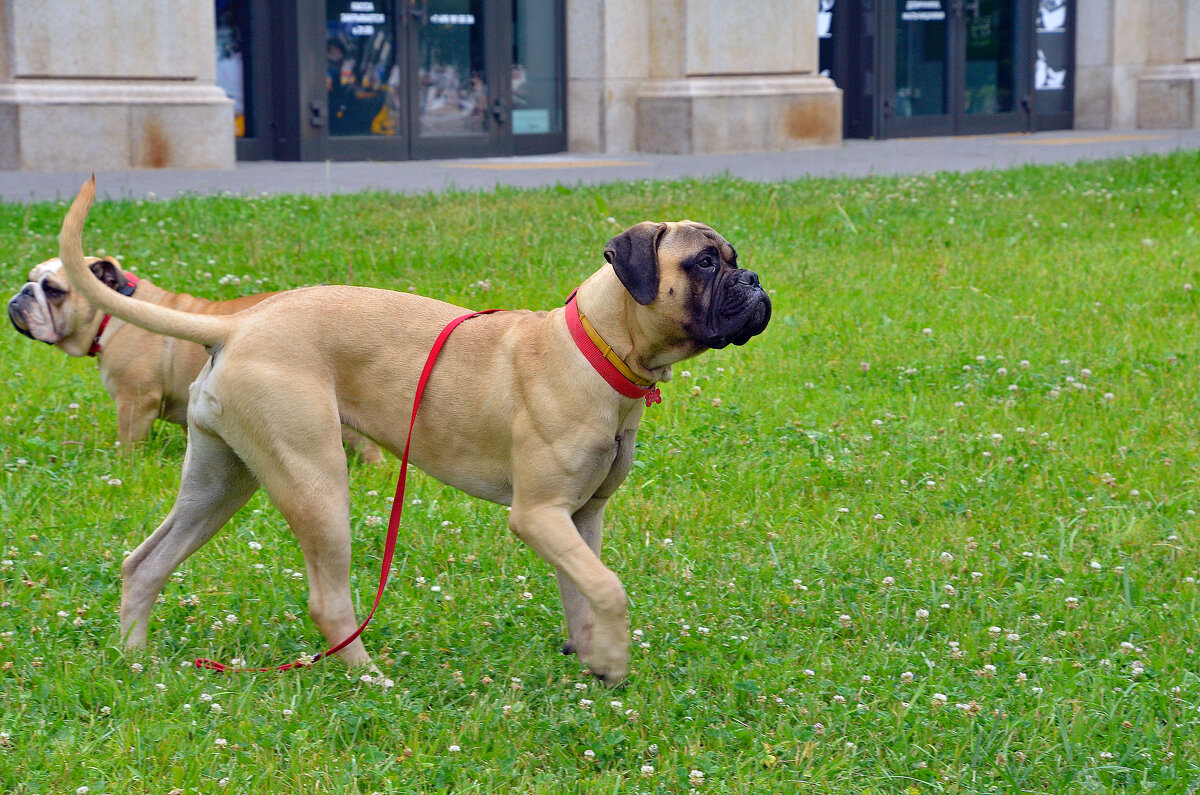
(610, 354)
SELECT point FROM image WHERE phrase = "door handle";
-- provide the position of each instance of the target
(499, 111)
(419, 10)
(316, 115)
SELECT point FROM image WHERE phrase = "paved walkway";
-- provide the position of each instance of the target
(852, 158)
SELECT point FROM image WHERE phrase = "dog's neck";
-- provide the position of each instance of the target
(130, 287)
(613, 320)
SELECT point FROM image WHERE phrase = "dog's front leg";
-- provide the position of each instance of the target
(552, 534)
(589, 521)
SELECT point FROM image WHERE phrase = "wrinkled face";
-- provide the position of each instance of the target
(43, 309)
(688, 273)
(723, 304)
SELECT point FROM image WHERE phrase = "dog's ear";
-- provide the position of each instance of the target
(634, 256)
(108, 271)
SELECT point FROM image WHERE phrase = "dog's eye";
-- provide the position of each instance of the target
(51, 291)
(707, 261)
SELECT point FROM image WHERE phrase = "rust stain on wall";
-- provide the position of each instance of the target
(155, 151)
(812, 121)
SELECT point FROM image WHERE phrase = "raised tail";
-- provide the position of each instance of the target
(207, 330)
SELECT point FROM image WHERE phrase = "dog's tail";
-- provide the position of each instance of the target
(207, 330)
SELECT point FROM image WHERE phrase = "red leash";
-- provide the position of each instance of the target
(389, 548)
(131, 283)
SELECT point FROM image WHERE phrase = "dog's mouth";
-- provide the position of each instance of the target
(29, 318)
(743, 313)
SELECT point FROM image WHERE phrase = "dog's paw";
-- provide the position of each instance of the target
(611, 669)
(376, 678)
(568, 647)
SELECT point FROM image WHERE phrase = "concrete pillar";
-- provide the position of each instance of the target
(111, 85)
(682, 76)
(1168, 87)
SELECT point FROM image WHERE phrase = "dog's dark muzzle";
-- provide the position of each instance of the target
(16, 317)
(743, 313)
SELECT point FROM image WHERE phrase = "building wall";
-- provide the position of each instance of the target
(1138, 64)
(111, 85)
(685, 76)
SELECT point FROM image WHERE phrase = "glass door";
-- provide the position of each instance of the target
(360, 105)
(460, 104)
(917, 101)
(400, 79)
(956, 67)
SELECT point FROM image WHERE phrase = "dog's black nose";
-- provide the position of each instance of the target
(748, 278)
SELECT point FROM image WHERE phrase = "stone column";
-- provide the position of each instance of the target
(111, 84)
(1167, 89)
(684, 76)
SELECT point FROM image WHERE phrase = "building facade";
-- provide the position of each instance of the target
(115, 84)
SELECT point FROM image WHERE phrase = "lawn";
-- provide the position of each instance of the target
(934, 531)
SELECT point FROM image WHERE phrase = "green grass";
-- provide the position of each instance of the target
(978, 397)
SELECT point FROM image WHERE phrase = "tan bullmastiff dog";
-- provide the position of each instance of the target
(147, 374)
(515, 412)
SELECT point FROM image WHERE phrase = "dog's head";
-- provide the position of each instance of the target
(48, 309)
(686, 280)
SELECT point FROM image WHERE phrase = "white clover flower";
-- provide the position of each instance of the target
(907, 677)
(922, 614)
(589, 754)
(647, 770)
(454, 749)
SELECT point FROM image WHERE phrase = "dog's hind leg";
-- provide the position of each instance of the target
(214, 485)
(308, 481)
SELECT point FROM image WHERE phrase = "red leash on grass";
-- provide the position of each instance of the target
(389, 548)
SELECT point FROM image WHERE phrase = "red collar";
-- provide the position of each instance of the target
(129, 288)
(606, 362)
